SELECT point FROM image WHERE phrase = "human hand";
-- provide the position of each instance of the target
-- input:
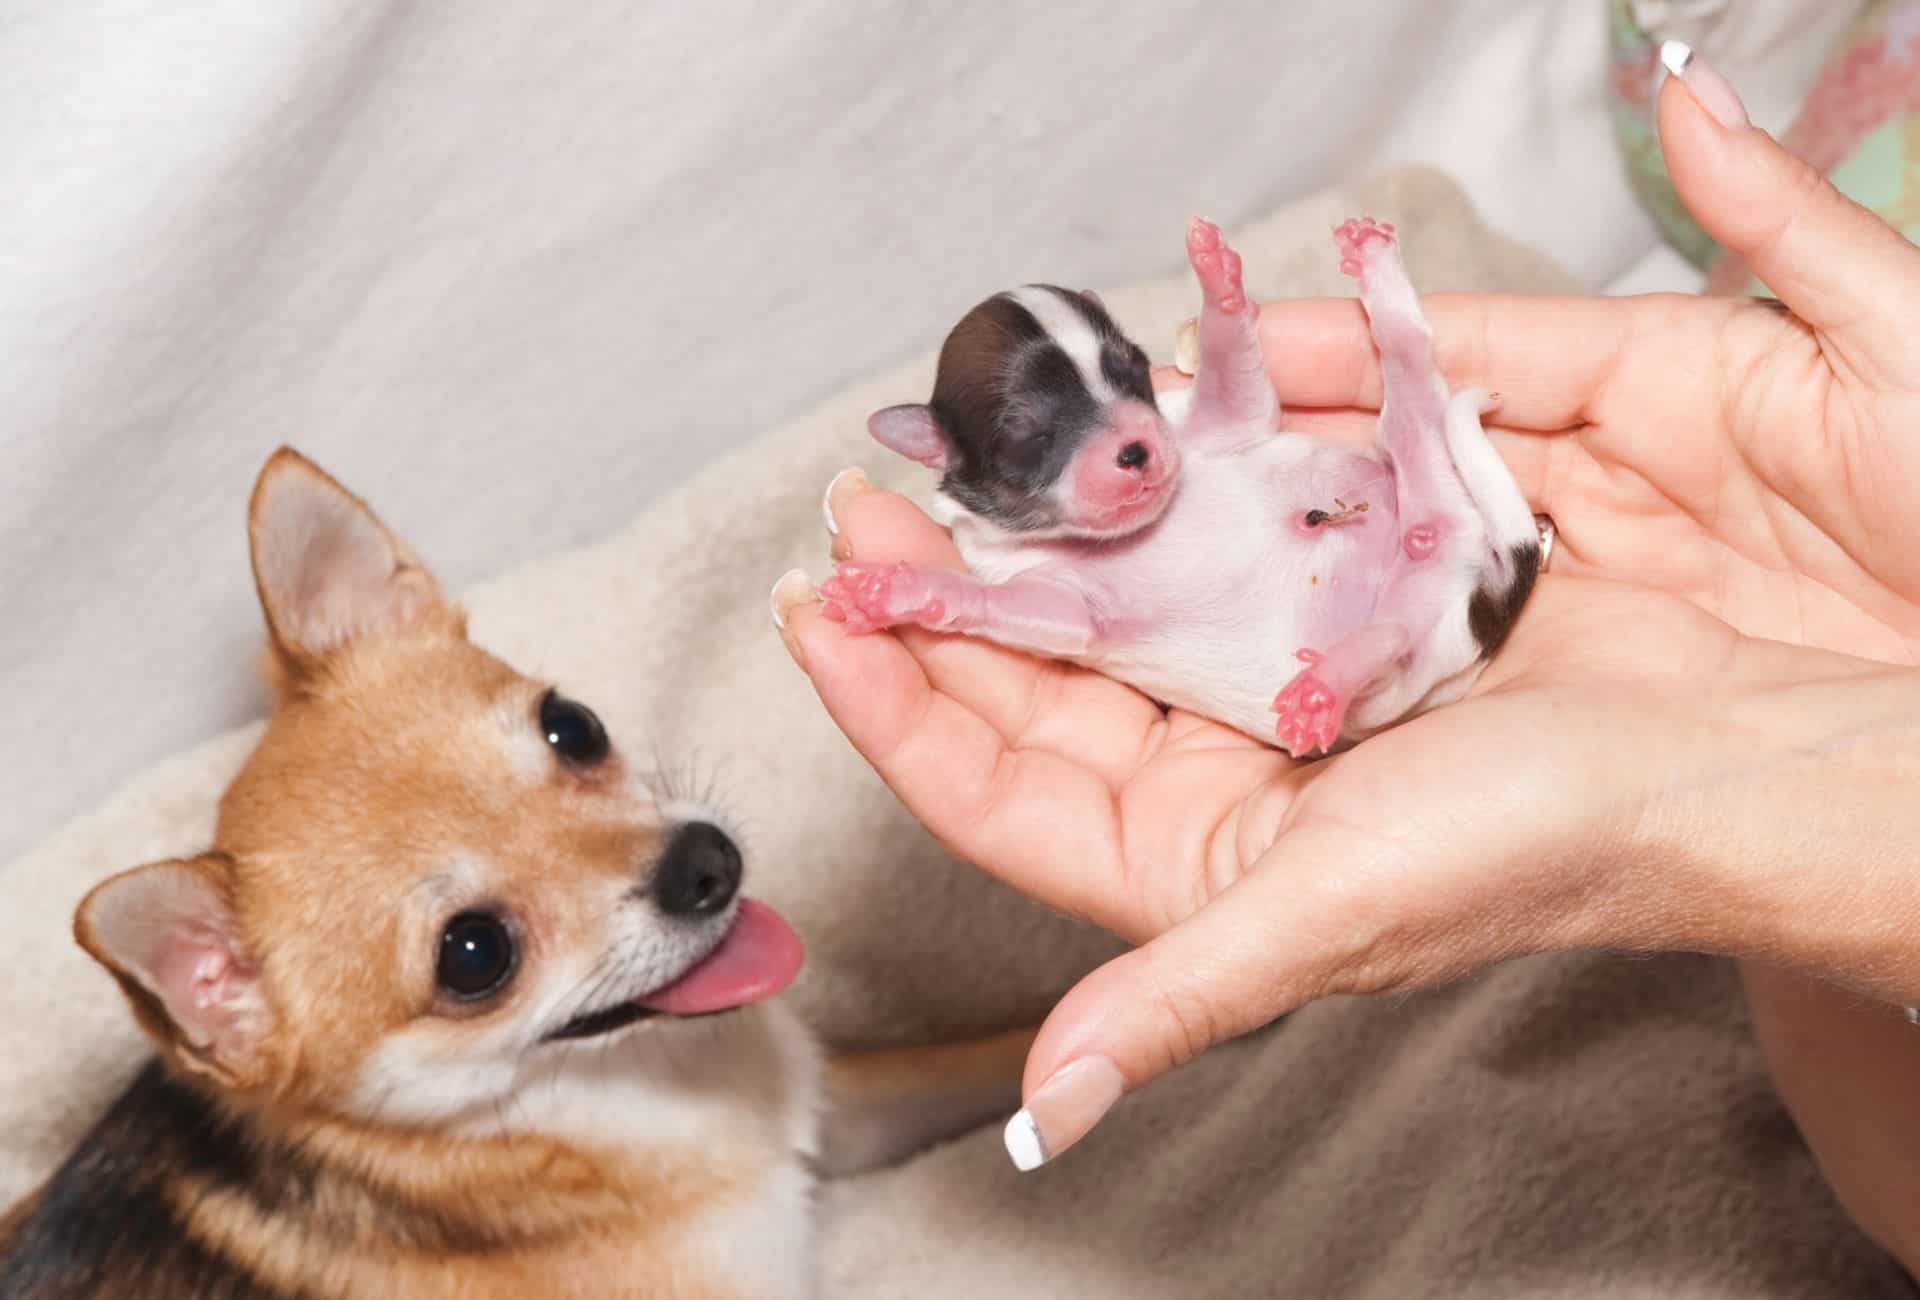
(1762, 463)
(1538, 814)
(1541, 813)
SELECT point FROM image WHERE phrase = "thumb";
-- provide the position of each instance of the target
(1840, 268)
(1241, 961)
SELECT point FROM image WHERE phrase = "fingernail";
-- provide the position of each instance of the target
(1186, 348)
(1063, 1110)
(846, 485)
(794, 589)
(1712, 91)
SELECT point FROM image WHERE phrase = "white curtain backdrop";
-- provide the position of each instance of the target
(512, 268)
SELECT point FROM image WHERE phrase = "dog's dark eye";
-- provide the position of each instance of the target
(572, 729)
(476, 955)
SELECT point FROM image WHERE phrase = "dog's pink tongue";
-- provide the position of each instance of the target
(760, 956)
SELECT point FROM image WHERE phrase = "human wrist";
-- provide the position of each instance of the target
(1803, 826)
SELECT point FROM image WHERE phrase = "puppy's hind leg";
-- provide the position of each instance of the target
(886, 1104)
(1513, 538)
(1231, 388)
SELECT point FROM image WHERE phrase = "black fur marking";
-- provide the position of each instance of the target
(1492, 612)
(104, 1225)
(1124, 363)
(1015, 409)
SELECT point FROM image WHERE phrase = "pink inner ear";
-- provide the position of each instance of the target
(196, 974)
(913, 432)
(328, 571)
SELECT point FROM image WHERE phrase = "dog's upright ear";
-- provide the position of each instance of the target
(328, 571)
(166, 931)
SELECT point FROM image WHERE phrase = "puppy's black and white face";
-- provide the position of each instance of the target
(1043, 419)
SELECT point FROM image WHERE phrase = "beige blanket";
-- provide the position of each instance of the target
(1571, 1126)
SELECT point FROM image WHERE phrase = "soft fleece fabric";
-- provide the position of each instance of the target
(1573, 1126)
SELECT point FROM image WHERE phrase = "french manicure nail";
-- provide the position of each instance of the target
(847, 484)
(1712, 91)
(1186, 347)
(795, 588)
(1063, 1110)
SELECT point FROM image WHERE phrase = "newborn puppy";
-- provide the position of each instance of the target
(1215, 562)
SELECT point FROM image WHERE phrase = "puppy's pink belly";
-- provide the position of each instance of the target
(1226, 653)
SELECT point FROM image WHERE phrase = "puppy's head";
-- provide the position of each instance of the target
(433, 874)
(1043, 421)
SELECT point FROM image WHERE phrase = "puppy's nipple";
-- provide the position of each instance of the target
(1133, 456)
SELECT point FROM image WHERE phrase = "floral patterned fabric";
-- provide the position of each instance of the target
(1634, 74)
(1860, 125)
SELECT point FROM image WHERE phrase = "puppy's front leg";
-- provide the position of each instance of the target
(1034, 614)
(1232, 392)
(886, 1104)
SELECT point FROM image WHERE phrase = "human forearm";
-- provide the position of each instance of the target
(1848, 1068)
(1816, 834)
(1800, 819)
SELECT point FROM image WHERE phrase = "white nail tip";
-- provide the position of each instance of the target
(1676, 57)
(1186, 349)
(826, 504)
(795, 584)
(1025, 1146)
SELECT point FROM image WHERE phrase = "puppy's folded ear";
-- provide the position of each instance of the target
(328, 571)
(912, 431)
(166, 931)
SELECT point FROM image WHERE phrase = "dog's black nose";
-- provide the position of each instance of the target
(699, 873)
(1133, 455)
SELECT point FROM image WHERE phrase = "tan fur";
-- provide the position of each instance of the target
(12, 1219)
(384, 758)
(403, 778)
(886, 1075)
(877, 1099)
(502, 1217)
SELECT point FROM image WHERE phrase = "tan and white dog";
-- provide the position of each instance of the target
(457, 1004)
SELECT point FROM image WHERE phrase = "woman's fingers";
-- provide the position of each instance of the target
(1547, 358)
(1040, 820)
(1031, 703)
(1244, 959)
(1009, 760)
(1841, 268)
(1538, 461)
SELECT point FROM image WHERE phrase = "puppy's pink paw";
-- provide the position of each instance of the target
(1216, 266)
(872, 597)
(1311, 712)
(1360, 239)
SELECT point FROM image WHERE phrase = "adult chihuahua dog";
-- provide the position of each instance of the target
(457, 1003)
